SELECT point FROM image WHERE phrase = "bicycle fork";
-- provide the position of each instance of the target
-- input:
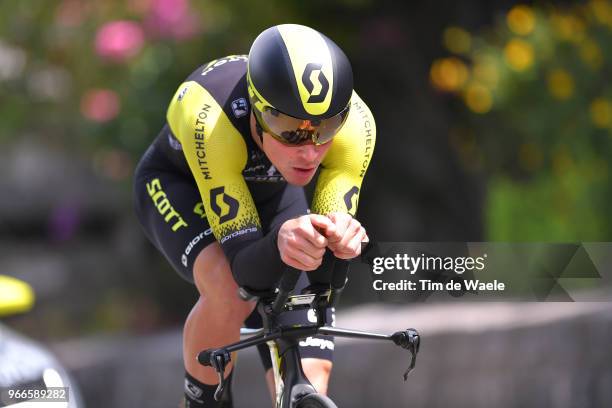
(291, 383)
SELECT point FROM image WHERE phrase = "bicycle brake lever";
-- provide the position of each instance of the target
(411, 341)
(219, 361)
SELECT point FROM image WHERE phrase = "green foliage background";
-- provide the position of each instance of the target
(545, 161)
(538, 118)
(500, 142)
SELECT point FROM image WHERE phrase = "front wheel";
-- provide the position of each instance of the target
(316, 401)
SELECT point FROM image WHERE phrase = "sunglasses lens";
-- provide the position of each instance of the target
(293, 131)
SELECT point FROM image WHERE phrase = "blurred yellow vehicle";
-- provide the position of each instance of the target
(16, 296)
(27, 369)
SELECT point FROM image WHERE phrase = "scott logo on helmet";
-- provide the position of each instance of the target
(230, 202)
(319, 93)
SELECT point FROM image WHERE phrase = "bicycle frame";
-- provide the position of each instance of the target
(291, 383)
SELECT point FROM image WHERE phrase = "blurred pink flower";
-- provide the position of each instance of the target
(172, 18)
(100, 105)
(119, 40)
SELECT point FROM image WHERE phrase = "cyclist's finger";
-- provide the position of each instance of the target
(306, 246)
(353, 230)
(306, 261)
(354, 245)
(326, 226)
(295, 264)
(291, 261)
(343, 255)
(341, 221)
(309, 232)
(366, 239)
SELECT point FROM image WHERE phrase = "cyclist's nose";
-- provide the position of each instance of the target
(308, 152)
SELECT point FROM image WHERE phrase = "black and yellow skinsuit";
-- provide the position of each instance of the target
(204, 179)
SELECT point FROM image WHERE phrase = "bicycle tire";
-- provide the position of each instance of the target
(315, 401)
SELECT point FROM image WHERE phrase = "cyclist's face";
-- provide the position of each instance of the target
(297, 164)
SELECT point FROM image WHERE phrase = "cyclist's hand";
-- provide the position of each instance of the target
(349, 236)
(300, 243)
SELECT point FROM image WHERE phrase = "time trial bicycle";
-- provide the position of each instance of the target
(293, 390)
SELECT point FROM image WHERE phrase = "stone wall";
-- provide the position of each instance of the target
(472, 355)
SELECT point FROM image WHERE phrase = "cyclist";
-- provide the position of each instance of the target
(220, 190)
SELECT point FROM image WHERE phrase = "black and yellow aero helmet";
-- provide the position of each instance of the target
(300, 84)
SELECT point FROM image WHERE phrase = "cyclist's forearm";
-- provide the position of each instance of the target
(257, 265)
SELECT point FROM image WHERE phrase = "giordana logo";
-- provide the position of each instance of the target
(238, 234)
(231, 204)
(193, 243)
(240, 107)
(317, 91)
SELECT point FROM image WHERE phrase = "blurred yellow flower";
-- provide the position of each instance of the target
(521, 19)
(448, 74)
(568, 27)
(602, 10)
(560, 84)
(478, 98)
(457, 40)
(591, 54)
(519, 54)
(601, 112)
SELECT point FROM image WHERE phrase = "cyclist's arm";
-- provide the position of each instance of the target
(346, 162)
(217, 154)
